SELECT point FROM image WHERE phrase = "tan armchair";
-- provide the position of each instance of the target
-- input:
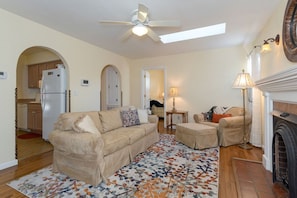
(229, 129)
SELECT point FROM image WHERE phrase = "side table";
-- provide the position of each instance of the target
(169, 115)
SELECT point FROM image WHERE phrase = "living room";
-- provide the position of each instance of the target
(204, 77)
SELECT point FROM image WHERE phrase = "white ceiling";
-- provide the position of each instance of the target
(80, 18)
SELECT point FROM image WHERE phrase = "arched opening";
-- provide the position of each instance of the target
(111, 91)
(29, 115)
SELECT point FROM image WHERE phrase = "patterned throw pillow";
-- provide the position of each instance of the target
(130, 118)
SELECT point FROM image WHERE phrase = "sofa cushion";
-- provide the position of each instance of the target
(66, 120)
(148, 127)
(114, 142)
(110, 119)
(134, 133)
(216, 117)
(130, 118)
(85, 125)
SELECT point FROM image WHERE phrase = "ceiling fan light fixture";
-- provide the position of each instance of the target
(139, 29)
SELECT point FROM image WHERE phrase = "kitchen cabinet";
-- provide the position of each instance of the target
(35, 72)
(33, 76)
(34, 117)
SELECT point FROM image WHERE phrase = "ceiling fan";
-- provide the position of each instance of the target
(141, 23)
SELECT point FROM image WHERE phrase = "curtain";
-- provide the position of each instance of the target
(254, 98)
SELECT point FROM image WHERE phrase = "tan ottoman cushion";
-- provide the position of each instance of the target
(196, 136)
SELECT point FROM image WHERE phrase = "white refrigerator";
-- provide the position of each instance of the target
(53, 98)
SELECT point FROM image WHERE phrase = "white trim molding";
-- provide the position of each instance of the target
(281, 87)
(284, 81)
(8, 164)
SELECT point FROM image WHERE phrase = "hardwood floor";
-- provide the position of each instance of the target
(227, 184)
(30, 147)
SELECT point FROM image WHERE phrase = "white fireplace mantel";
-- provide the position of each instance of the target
(281, 87)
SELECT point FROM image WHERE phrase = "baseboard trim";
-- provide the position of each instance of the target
(8, 164)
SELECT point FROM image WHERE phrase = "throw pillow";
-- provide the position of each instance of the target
(220, 110)
(143, 116)
(207, 116)
(216, 117)
(85, 124)
(130, 118)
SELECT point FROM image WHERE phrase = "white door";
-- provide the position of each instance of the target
(147, 86)
(113, 96)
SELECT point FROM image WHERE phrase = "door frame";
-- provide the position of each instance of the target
(147, 68)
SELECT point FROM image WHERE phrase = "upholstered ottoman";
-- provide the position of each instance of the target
(196, 136)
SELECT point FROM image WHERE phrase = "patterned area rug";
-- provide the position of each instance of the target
(166, 169)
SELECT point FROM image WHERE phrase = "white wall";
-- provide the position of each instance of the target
(83, 60)
(204, 78)
(274, 61)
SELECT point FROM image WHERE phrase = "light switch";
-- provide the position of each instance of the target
(3, 75)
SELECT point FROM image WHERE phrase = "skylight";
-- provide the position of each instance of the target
(194, 33)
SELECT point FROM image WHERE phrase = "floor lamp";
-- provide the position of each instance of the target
(243, 81)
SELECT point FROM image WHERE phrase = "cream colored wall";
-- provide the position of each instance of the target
(84, 61)
(204, 78)
(156, 84)
(274, 61)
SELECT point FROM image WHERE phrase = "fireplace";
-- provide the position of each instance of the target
(280, 88)
(284, 151)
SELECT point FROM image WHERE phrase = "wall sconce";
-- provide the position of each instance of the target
(266, 45)
(173, 93)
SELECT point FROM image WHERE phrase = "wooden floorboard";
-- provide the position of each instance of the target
(227, 184)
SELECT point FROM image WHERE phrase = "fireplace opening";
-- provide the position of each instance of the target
(284, 151)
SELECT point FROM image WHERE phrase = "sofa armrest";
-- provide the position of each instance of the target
(77, 143)
(235, 121)
(153, 118)
(198, 117)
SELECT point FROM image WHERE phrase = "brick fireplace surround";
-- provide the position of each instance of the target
(280, 95)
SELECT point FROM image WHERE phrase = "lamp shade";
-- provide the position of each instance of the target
(139, 29)
(266, 47)
(173, 92)
(243, 81)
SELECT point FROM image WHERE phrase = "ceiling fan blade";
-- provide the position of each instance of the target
(127, 34)
(153, 35)
(117, 22)
(142, 13)
(164, 23)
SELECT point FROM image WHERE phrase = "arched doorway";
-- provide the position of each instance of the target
(111, 92)
(29, 113)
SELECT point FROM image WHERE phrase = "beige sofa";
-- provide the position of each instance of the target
(229, 129)
(91, 146)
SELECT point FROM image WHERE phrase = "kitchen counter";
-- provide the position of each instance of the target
(27, 101)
